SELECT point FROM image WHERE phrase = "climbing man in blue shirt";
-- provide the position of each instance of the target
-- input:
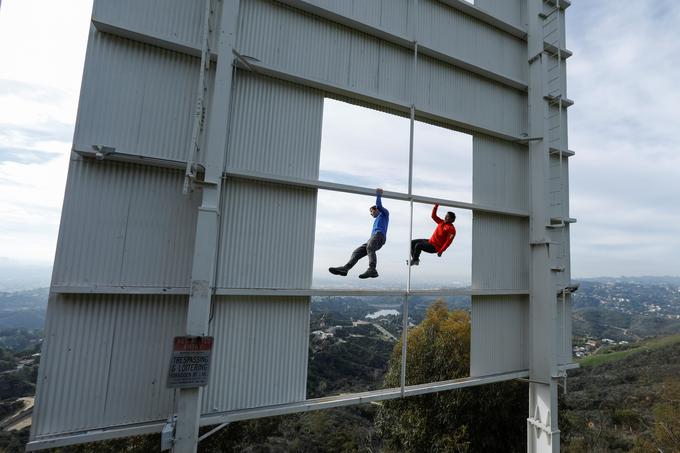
(374, 243)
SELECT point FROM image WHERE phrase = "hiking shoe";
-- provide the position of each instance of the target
(415, 262)
(342, 270)
(370, 273)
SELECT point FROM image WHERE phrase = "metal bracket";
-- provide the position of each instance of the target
(536, 57)
(568, 289)
(193, 177)
(212, 431)
(103, 151)
(243, 59)
(168, 434)
(542, 242)
(524, 141)
(541, 427)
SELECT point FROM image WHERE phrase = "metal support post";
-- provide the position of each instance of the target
(414, 76)
(542, 429)
(207, 223)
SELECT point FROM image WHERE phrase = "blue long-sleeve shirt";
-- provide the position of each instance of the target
(380, 222)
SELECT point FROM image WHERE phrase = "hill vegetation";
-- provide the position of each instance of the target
(625, 400)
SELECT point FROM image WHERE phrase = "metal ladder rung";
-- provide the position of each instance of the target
(547, 14)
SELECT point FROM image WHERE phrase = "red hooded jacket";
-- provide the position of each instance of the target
(444, 233)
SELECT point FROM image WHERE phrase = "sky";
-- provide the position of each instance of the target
(624, 180)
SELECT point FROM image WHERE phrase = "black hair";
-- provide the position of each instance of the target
(452, 215)
(373, 207)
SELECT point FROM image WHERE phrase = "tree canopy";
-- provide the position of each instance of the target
(487, 418)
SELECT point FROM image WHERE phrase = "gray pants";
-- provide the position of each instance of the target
(369, 248)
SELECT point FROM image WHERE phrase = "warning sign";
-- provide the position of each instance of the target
(190, 362)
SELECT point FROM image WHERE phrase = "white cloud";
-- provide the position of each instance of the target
(42, 46)
(625, 181)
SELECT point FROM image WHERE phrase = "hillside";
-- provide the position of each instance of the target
(23, 309)
(611, 400)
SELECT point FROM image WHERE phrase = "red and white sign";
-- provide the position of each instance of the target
(190, 362)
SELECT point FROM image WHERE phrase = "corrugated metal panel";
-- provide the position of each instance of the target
(564, 331)
(267, 236)
(125, 224)
(260, 352)
(500, 252)
(451, 32)
(390, 15)
(137, 98)
(320, 49)
(500, 173)
(173, 20)
(276, 127)
(459, 94)
(510, 11)
(500, 330)
(105, 361)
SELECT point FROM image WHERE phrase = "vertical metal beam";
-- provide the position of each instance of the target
(207, 223)
(542, 432)
(413, 25)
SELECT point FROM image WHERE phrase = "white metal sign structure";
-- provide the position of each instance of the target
(196, 117)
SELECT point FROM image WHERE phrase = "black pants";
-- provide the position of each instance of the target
(421, 245)
(368, 248)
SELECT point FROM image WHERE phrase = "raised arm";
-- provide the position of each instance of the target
(378, 202)
(434, 214)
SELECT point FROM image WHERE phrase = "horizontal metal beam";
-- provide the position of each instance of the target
(478, 13)
(148, 37)
(358, 398)
(372, 99)
(89, 152)
(346, 188)
(95, 435)
(284, 292)
(118, 289)
(309, 183)
(340, 292)
(349, 399)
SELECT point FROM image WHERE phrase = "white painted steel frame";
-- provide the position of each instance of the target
(215, 178)
(219, 291)
(543, 434)
(426, 115)
(208, 222)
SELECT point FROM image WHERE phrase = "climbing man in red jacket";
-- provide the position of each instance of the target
(441, 238)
